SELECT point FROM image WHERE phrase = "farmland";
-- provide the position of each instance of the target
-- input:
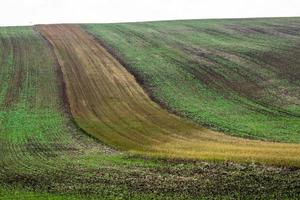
(75, 124)
(237, 76)
(107, 102)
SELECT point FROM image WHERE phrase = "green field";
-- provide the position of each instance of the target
(237, 76)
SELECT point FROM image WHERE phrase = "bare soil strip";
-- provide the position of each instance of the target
(108, 103)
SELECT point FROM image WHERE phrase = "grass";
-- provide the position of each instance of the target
(108, 103)
(237, 76)
(128, 177)
(43, 155)
(21, 194)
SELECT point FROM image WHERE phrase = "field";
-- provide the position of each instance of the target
(75, 124)
(237, 76)
(107, 102)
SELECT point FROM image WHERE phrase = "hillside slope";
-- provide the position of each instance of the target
(238, 76)
(38, 141)
(43, 155)
(107, 102)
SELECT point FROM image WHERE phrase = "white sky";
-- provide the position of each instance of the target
(26, 12)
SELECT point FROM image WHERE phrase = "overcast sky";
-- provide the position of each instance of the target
(26, 12)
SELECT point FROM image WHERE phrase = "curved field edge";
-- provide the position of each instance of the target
(41, 150)
(43, 156)
(237, 76)
(107, 102)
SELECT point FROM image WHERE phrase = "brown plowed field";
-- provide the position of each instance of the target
(107, 102)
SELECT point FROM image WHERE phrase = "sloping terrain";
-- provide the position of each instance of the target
(108, 103)
(37, 139)
(44, 155)
(238, 76)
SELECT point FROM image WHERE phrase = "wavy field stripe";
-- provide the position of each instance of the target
(108, 103)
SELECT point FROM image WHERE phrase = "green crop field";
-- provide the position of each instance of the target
(237, 76)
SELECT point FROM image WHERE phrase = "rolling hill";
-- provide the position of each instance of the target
(237, 76)
(107, 102)
(172, 108)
